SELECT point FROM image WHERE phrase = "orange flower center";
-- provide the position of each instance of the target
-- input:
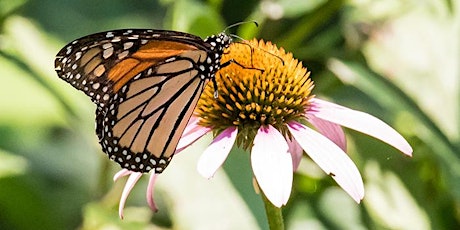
(266, 86)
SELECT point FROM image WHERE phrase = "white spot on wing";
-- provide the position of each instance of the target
(128, 45)
(123, 54)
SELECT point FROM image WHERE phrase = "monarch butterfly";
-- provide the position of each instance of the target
(145, 84)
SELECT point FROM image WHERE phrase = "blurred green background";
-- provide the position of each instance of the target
(397, 60)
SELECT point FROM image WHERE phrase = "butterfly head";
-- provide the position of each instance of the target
(219, 42)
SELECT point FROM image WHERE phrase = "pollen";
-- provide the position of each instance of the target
(262, 85)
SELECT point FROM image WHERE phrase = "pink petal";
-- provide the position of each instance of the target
(272, 165)
(121, 173)
(192, 133)
(330, 130)
(150, 190)
(330, 158)
(296, 152)
(191, 125)
(132, 180)
(361, 122)
(216, 153)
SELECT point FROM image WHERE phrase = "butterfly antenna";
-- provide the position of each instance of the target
(240, 23)
(245, 42)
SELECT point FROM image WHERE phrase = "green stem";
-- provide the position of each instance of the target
(274, 214)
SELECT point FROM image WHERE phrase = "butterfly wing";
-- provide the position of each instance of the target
(143, 122)
(88, 63)
(145, 84)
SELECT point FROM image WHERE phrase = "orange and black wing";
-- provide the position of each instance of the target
(99, 64)
(145, 84)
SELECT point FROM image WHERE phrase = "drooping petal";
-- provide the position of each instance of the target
(361, 122)
(330, 130)
(150, 190)
(272, 165)
(192, 133)
(216, 153)
(132, 180)
(330, 158)
(121, 173)
(296, 152)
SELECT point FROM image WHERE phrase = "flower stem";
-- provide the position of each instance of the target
(274, 214)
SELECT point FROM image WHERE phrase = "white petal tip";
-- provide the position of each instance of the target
(206, 169)
(358, 196)
(408, 151)
(206, 174)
